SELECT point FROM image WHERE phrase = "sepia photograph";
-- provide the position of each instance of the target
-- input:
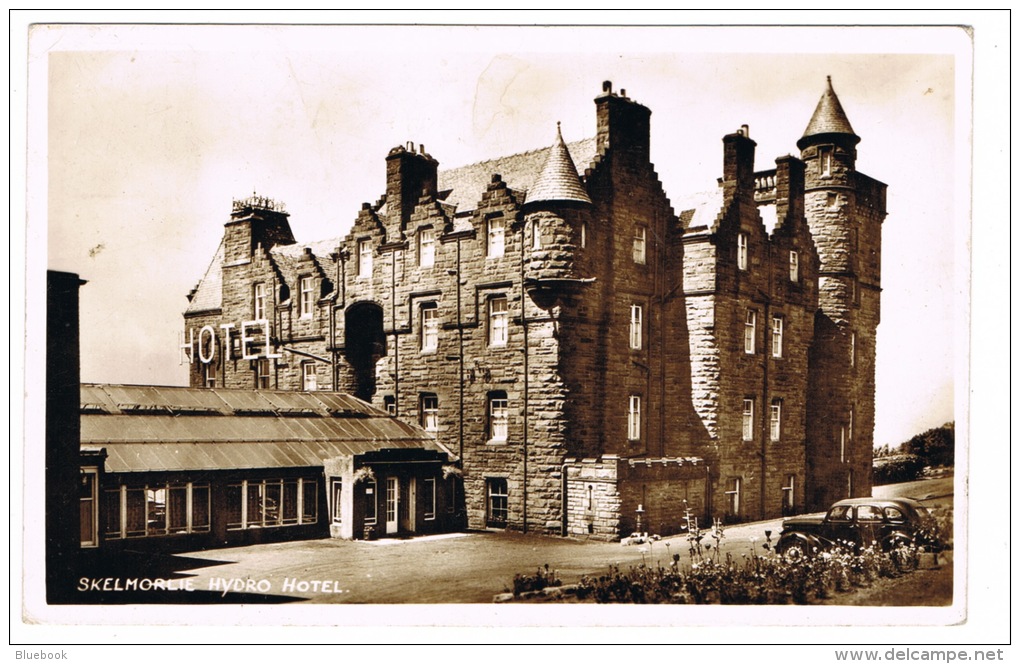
(497, 326)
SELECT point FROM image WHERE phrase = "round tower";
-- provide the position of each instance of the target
(557, 210)
(844, 210)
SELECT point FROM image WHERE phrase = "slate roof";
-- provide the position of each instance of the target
(145, 428)
(208, 294)
(520, 171)
(829, 116)
(558, 180)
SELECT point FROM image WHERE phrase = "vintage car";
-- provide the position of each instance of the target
(859, 523)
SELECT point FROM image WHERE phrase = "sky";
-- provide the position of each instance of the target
(144, 135)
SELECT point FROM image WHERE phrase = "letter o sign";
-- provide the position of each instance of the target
(201, 344)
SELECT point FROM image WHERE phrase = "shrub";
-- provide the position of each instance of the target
(540, 580)
(900, 468)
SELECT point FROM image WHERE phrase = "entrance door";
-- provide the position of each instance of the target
(407, 505)
(392, 503)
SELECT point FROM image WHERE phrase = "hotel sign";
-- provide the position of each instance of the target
(249, 335)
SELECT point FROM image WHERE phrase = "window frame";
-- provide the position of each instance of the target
(308, 371)
(428, 314)
(371, 505)
(636, 326)
(498, 410)
(428, 411)
(789, 491)
(747, 421)
(734, 496)
(634, 418)
(116, 505)
(499, 322)
(794, 266)
(743, 240)
(751, 332)
(429, 499)
(259, 301)
(263, 379)
(536, 235)
(495, 237)
(364, 248)
(210, 375)
(777, 337)
(639, 252)
(306, 297)
(426, 247)
(497, 502)
(776, 420)
(825, 155)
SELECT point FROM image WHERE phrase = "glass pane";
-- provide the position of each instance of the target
(178, 509)
(309, 504)
(255, 491)
(290, 501)
(274, 496)
(233, 507)
(111, 513)
(135, 512)
(200, 507)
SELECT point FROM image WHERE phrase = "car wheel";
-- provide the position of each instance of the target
(793, 549)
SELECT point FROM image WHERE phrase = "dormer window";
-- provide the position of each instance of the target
(496, 234)
(364, 259)
(426, 247)
(307, 297)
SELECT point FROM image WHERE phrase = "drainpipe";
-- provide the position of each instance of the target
(396, 337)
(563, 508)
(524, 325)
(460, 341)
(766, 408)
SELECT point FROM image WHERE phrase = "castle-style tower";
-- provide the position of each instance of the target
(845, 210)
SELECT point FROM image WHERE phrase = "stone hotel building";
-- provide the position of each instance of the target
(589, 357)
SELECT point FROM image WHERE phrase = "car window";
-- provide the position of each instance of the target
(839, 513)
(868, 513)
(894, 514)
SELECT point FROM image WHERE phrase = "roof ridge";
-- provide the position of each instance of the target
(515, 154)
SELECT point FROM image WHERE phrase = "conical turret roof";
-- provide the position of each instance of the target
(829, 117)
(558, 180)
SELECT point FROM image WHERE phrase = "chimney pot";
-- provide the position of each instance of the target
(607, 87)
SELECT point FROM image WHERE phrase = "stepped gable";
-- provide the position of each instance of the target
(208, 294)
(829, 117)
(558, 180)
(463, 187)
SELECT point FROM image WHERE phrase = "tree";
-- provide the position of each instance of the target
(936, 446)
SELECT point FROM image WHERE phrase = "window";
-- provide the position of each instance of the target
(155, 510)
(499, 319)
(750, 331)
(428, 491)
(429, 326)
(634, 418)
(794, 266)
(307, 297)
(825, 161)
(498, 416)
(496, 233)
(262, 375)
(640, 244)
(850, 483)
(789, 494)
(748, 420)
(777, 336)
(635, 326)
(209, 369)
(364, 259)
(337, 492)
(842, 444)
(742, 251)
(371, 508)
(536, 235)
(584, 234)
(850, 424)
(276, 502)
(429, 412)
(309, 379)
(869, 513)
(775, 420)
(426, 247)
(855, 291)
(853, 349)
(88, 508)
(498, 499)
(390, 404)
(733, 497)
(259, 301)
